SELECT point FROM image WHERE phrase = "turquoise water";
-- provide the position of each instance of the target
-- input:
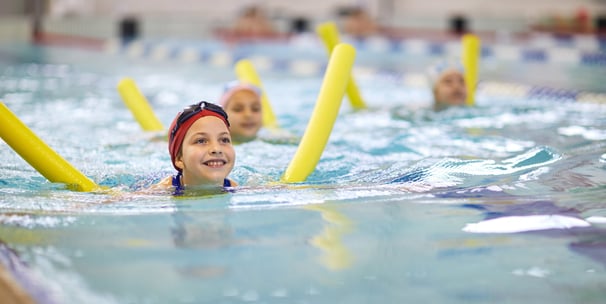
(500, 203)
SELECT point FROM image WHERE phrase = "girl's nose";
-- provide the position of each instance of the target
(216, 148)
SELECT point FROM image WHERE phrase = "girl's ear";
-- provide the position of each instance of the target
(179, 162)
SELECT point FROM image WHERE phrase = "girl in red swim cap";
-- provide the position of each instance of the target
(201, 150)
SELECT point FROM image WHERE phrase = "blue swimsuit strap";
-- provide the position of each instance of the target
(179, 185)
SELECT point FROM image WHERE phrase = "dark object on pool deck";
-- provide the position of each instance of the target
(600, 24)
(458, 24)
(299, 25)
(129, 29)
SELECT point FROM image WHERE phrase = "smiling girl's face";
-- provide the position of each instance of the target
(207, 154)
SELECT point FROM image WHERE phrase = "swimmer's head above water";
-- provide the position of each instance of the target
(200, 144)
(242, 102)
(447, 80)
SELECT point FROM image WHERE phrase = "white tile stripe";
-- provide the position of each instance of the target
(586, 43)
(563, 55)
(221, 58)
(135, 49)
(189, 55)
(262, 62)
(304, 67)
(160, 53)
(508, 53)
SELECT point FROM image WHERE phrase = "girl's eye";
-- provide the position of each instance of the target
(225, 140)
(201, 140)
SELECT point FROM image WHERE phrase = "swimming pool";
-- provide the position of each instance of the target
(406, 205)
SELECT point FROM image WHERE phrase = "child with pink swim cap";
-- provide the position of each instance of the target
(242, 102)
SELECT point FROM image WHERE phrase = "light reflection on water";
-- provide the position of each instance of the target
(380, 219)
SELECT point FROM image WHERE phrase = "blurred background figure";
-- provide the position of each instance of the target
(358, 23)
(253, 22)
(458, 24)
(582, 21)
(577, 21)
(242, 102)
(129, 29)
(447, 80)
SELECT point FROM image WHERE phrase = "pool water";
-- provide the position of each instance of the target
(500, 203)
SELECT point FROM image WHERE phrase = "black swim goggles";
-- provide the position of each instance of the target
(194, 109)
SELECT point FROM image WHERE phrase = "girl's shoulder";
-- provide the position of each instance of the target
(232, 183)
(163, 185)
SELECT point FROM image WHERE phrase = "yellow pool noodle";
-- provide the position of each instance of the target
(138, 105)
(323, 116)
(329, 34)
(246, 72)
(39, 155)
(471, 61)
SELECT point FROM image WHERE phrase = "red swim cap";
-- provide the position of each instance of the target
(184, 120)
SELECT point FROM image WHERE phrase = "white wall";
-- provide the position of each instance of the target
(12, 7)
(483, 14)
(225, 9)
(15, 29)
(195, 18)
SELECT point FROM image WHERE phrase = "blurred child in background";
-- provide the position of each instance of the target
(447, 80)
(252, 23)
(242, 102)
(358, 23)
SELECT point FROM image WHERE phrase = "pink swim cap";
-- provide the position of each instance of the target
(232, 87)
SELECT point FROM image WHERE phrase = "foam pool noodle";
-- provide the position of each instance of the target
(471, 59)
(323, 116)
(138, 105)
(329, 34)
(39, 155)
